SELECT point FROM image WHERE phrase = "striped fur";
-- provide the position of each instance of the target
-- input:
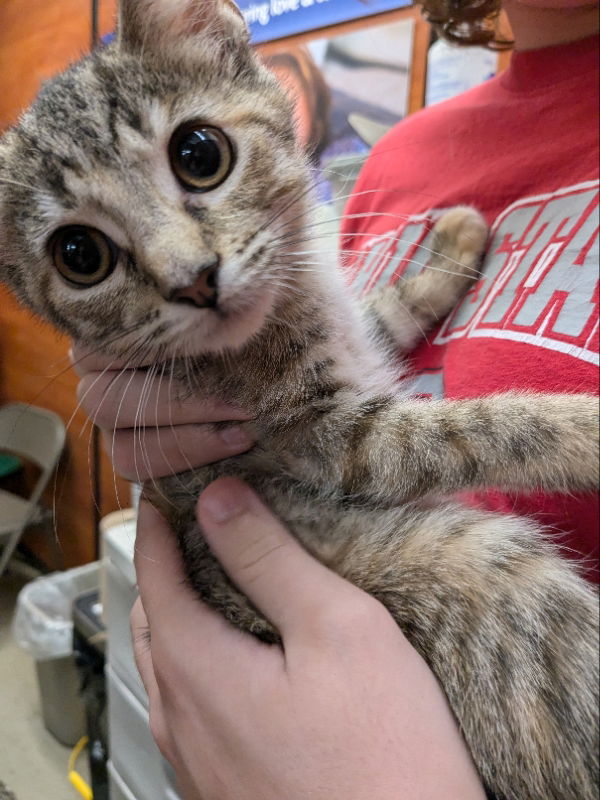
(344, 455)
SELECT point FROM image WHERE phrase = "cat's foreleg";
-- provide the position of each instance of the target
(405, 311)
(387, 451)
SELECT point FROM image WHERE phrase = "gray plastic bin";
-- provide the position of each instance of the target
(43, 626)
(62, 708)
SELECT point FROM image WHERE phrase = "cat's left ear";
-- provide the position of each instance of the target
(150, 25)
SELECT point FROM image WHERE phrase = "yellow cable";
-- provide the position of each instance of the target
(80, 785)
(75, 778)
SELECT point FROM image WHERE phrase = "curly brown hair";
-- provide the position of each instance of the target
(467, 22)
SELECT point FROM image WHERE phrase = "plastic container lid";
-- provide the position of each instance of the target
(118, 542)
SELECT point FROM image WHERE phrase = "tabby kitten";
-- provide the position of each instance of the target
(152, 204)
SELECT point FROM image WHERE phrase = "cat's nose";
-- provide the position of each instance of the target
(203, 292)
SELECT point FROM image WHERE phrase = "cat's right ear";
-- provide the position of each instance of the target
(147, 26)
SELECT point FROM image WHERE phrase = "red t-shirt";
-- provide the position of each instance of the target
(523, 149)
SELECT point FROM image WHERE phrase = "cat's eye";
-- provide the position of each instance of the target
(83, 256)
(201, 156)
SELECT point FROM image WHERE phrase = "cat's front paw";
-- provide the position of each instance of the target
(460, 235)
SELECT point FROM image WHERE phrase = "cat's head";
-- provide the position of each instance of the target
(145, 195)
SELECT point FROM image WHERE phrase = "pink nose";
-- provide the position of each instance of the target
(203, 292)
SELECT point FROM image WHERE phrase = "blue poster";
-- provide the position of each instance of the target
(273, 19)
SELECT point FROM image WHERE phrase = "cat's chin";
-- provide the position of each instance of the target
(228, 328)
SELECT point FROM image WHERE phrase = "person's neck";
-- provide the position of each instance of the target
(533, 28)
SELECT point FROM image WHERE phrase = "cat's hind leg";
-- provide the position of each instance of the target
(508, 627)
(407, 310)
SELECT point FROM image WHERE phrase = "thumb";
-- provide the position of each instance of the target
(263, 559)
(142, 653)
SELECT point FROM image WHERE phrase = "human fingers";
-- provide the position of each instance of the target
(173, 610)
(136, 398)
(86, 359)
(148, 429)
(197, 656)
(294, 591)
(181, 623)
(138, 455)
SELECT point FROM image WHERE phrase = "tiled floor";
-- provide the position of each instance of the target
(32, 763)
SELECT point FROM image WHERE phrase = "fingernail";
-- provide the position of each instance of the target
(236, 438)
(224, 500)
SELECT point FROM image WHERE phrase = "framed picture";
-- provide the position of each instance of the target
(349, 88)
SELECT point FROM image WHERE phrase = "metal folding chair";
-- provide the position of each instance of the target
(37, 435)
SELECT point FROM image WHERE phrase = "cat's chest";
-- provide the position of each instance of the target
(267, 470)
(310, 512)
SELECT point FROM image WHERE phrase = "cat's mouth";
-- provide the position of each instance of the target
(226, 304)
(226, 321)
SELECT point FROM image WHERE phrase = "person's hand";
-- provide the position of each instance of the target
(147, 430)
(345, 710)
